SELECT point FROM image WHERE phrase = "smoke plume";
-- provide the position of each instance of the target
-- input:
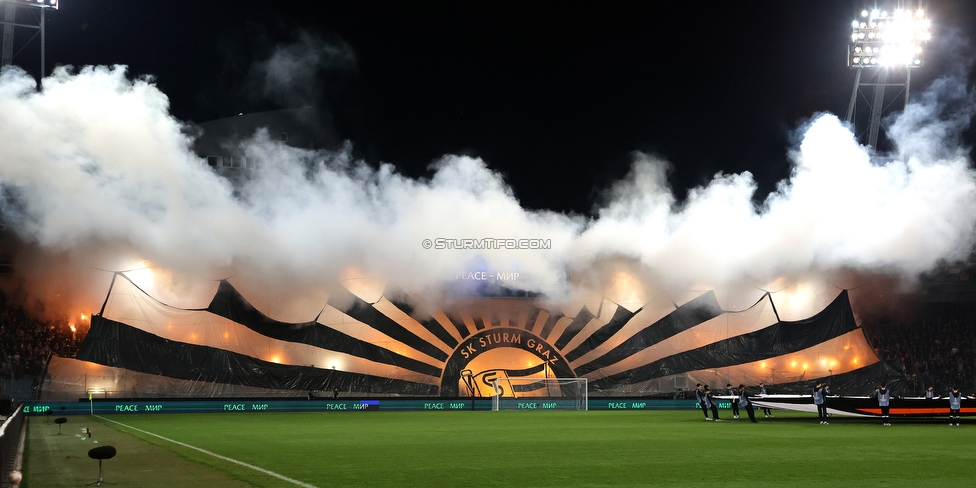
(97, 175)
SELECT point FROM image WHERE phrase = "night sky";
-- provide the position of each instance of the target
(555, 95)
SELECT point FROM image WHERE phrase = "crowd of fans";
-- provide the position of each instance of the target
(935, 345)
(26, 341)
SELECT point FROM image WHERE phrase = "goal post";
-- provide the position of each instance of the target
(527, 393)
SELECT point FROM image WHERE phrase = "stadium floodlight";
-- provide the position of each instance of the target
(898, 38)
(885, 42)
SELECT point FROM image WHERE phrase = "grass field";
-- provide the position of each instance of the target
(524, 449)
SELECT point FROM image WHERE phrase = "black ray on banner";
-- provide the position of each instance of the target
(603, 334)
(550, 323)
(531, 318)
(776, 340)
(479, 322)
(686, 316)
(458, 324)
(118, 345)
(229, 303)
(355, 307)
(399, 300)
(582, 318)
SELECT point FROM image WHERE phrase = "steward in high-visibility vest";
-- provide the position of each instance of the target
(883, 395)
(955, 404)
(819, 399)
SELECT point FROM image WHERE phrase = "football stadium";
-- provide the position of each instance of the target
(270, 298)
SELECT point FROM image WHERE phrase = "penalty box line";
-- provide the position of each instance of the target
(218, 456)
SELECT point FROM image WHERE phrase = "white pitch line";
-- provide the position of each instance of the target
(218, 456)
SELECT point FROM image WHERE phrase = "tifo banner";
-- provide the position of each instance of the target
(139, 347)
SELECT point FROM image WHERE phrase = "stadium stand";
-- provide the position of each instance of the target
(935, 344)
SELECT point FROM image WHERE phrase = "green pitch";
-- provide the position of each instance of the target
(525, 449)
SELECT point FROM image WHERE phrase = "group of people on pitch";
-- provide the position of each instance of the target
(883, 396)
(739, 398)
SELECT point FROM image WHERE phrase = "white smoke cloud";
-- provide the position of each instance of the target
(293, 73)
(96, 156)
(96, 169)
(344, 213)
(841, 208)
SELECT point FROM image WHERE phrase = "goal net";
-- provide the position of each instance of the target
(526, 393)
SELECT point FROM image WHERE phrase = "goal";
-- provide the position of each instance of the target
(528, 393)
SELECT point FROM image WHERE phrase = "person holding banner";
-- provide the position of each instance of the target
(745, 403)
(955, 404)
(883, 395)
(762, 392)
(734, 400)
(710, 401)
(820, 400)
(700, 397)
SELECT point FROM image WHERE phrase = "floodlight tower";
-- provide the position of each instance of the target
(9, 8)
(885, 43)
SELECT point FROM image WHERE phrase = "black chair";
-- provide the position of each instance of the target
(100, 453)
(60, 421)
